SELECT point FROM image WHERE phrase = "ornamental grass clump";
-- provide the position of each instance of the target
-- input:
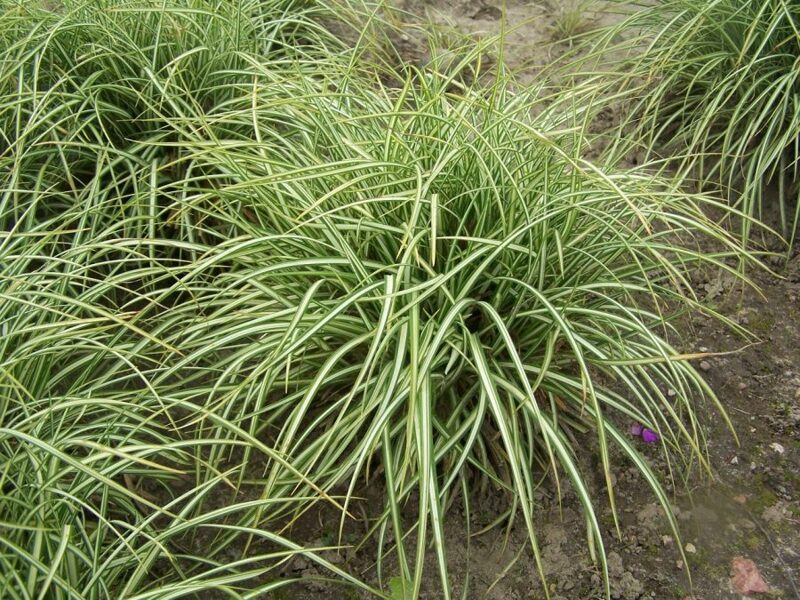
(97, 490)
(238, 287)
(714, 87)
(427, 290)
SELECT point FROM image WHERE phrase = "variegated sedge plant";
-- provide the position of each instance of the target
(712, 89)
(97, 497)
(239, 286)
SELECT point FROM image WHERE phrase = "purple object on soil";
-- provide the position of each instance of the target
(636, 429)
(649, 436)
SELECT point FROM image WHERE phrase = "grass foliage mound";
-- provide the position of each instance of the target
(240, 279)
(717, 85)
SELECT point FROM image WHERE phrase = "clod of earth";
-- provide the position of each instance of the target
(746, 578)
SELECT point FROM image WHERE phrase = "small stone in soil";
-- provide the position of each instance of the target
(746, 578)
(777, 447)
(705, 365)
(690, 548)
